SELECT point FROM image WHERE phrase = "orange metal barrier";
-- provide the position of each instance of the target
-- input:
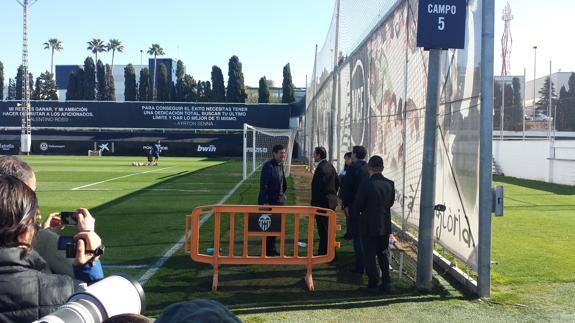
(192, 236)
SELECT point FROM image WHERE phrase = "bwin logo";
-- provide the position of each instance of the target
(265, 222)
(210, 148)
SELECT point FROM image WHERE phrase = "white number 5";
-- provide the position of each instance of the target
(440, 23)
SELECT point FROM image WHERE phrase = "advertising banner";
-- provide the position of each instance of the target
(154, 115)
(125, 144)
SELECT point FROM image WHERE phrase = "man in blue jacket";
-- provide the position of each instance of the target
(273, 186)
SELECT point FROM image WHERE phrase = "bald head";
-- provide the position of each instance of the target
(14, 166)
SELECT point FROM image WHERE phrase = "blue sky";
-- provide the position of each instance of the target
(264, 34)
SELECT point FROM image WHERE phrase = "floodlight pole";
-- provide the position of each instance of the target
(26, 121)
(313, 104)
(427, 201)
(485, 149)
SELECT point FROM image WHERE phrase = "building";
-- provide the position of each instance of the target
(63, 73)
(559, 79)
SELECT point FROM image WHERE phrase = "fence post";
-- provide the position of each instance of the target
(426, 213)
(485, 149)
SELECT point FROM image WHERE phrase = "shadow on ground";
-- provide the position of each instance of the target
(261, 289)
(537, 185)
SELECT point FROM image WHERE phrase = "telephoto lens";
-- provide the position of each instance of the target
(113, 295)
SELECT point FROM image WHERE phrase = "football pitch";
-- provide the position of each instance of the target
(140, 212)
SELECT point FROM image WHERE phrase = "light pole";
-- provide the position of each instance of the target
(26, 121)
(534, 75)
(141, 55)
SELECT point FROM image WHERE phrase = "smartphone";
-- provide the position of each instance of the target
(69, 217)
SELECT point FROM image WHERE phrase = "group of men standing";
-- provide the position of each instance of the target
(366, 196)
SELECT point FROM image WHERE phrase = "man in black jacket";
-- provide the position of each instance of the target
(357, 174)
(273, 186)
(374, 200)
(323, 193)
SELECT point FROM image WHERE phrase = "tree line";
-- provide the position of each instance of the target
(95, 80)
(562, 106)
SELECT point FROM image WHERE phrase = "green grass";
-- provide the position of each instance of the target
(142, 215)
(139, 216)
(533, 245)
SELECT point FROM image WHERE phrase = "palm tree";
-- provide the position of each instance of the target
(115, 45)
(155, 50)
(55, 45)
(96, 46)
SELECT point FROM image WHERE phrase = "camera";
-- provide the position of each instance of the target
(69, 217)
(69, 244)
(113, 295)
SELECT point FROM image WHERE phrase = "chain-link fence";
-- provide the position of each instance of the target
(374, 95)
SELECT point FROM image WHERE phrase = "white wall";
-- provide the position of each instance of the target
(530, 159)
(564, 172)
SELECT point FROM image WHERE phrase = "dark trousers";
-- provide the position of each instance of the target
(322, 225)
(357, 246)
(375, 247)
(270, 246)
(271, 241)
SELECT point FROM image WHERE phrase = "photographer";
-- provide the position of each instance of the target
(46, 240)
(29, 290)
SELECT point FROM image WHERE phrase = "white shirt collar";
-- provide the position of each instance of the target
(319, 162)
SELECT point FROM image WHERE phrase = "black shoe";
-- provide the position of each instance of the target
(385, 287)
(369, 289)
(272, 253)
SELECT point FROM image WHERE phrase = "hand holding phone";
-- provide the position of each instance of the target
(53, 222)
(86, 221)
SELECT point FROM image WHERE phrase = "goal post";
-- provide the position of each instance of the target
(258, 145)
(96, 152)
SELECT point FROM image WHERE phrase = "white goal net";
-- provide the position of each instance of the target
(96, 152)
(258, 145)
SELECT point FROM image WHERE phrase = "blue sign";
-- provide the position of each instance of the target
(441, 24)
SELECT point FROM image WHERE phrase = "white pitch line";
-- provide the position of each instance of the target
(115, 178)
(144, 189)
(160, 262)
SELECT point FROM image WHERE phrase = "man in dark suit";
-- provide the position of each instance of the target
(373, 202)
(273, 186)
(323, 193)
(357, 173)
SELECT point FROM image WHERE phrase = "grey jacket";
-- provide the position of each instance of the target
(27, 290)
